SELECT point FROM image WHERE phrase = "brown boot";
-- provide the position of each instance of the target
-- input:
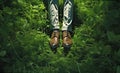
(67, 41)
(54, 42)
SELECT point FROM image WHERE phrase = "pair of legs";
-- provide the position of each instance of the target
(66, 25)
(67, 14)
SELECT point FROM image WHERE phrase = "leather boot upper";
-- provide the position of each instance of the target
(55, 38)
(67, 41)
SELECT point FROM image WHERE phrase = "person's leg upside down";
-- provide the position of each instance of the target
(66, 27)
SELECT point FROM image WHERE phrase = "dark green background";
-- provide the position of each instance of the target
(25, 31)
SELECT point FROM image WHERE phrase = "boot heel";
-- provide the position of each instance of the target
(66, 49)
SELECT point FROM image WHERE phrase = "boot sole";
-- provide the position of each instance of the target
(54, 48)
(66, 49)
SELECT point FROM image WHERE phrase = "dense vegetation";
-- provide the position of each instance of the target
(25, 31)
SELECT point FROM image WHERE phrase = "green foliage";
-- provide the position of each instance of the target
(24, 43)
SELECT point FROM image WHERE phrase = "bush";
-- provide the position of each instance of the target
(24, 39)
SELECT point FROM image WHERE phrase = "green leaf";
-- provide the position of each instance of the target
(2, 53)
